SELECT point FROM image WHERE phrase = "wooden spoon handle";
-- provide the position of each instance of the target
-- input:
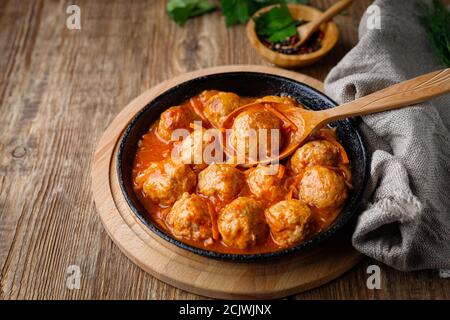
(396, 96)
(329, 14)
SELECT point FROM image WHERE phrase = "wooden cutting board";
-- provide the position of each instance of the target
(204, 276)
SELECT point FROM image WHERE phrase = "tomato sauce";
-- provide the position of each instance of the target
(151, 148)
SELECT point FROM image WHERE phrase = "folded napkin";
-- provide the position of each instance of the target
(405, 222)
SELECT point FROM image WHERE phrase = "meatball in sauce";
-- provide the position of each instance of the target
(322, 188)
(290, 222)
(164, 182)
(190, 150)
(318, 152)
(178, 117)
(190, 218)
(266, 182)
(261, 126)
(220, 180)
(219, 105)
(242, 224)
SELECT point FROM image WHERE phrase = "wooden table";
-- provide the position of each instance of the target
(59, 89)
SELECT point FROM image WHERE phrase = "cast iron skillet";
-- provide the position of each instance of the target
(251, 84)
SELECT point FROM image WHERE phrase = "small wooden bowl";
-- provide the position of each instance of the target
(298, 11)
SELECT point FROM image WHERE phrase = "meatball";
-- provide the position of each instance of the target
(174, 118)
(167, 181)
(251, 122)
(206, 95)
(318, 152)
(221, 180)
(219, 106)
(192, 149)
(190, 218)
(242, 224)
(289, 221)
(264, 182)
(284, 100)
(322, 187)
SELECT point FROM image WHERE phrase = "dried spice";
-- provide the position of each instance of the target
(314, 43)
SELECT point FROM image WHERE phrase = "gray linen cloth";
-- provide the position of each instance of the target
(406, 219)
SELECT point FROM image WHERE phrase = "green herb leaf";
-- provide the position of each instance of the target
(240, 11)
(235, 11)
(282, 34)
(276, 24)
(297, 1)
(436, 22)
(181, 10)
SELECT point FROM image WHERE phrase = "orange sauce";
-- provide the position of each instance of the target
(152, 148)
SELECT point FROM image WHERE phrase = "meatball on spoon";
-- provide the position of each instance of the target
(301, 123)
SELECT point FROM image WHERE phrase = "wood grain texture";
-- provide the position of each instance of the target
(60, 89)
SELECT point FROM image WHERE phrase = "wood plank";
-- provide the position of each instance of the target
(59, 90)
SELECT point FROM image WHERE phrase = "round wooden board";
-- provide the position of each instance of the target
(188, 271)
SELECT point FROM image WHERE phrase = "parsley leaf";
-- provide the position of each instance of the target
(276, 24)
(240, 11)
(235, 11)
(181, 10)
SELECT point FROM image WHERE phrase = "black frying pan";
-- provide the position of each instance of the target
(251, 84)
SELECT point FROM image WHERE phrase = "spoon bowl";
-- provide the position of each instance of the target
(288, 114)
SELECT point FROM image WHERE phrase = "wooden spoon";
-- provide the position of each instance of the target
(306, 122)
(306, 30)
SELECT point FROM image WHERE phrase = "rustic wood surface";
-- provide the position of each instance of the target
(59, 90)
